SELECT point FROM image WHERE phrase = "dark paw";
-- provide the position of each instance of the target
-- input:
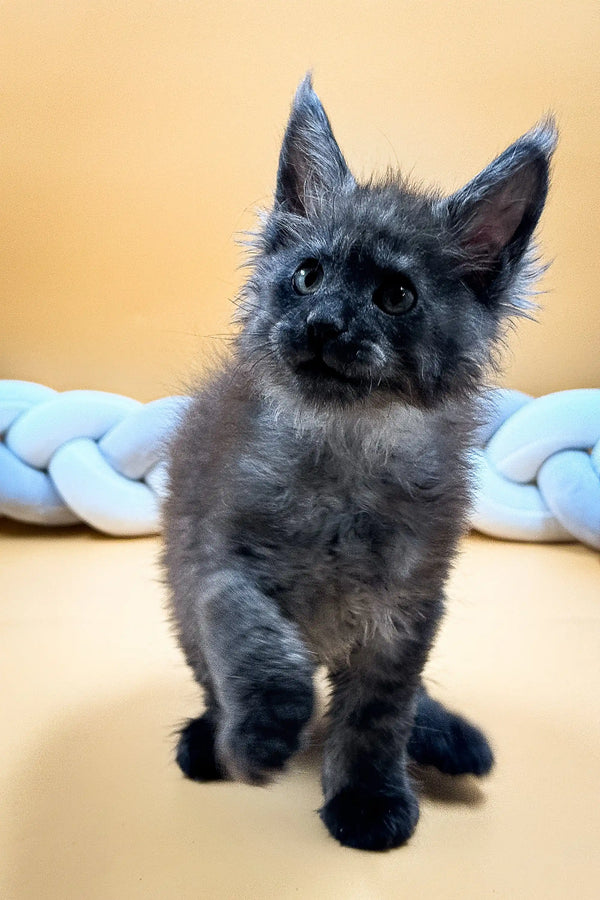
(267, 733)
(196, 750)
(450, 743)
(370, 821)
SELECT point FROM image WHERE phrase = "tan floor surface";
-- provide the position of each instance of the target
(92, 685)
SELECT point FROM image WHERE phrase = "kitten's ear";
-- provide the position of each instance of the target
(494, 216)
(310, 163)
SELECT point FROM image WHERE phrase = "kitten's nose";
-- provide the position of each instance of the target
(321, 327)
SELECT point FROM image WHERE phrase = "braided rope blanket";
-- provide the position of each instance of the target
(95, 457)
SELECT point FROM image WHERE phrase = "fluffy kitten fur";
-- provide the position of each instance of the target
(319, 483)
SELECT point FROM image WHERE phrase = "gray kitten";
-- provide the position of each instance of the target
(319, 481)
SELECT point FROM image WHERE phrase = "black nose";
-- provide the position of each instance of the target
(322, 327)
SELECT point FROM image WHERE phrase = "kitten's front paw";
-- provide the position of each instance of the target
(262, 737)
(369, 821)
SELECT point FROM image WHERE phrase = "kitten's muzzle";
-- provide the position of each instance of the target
(325, 347)
(321, 330)
(307, 344)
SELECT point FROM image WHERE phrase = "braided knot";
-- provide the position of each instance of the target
(84, 456)
(96, 457)
(537, 469)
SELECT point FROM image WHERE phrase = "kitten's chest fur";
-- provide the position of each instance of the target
(349, 526)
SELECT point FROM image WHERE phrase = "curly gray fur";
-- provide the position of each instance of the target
(319, 484)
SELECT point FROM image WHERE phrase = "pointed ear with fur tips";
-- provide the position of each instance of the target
(310, 163)
(494, 216)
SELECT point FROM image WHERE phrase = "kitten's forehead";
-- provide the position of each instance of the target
(385, 210)
(386, 225)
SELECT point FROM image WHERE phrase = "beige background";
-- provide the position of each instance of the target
(137, 137)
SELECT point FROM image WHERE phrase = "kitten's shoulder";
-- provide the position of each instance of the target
(218, 418)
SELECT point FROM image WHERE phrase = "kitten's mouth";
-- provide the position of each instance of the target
(317, 368)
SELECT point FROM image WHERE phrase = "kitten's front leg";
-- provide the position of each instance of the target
(369, 802)
(262, 677)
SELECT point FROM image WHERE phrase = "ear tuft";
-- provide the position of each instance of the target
(310, 163)
(544, 135)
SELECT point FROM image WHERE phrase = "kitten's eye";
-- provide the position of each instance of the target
(308, 277)
(395, 295)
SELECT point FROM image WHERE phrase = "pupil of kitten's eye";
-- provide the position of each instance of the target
(395, 295)
(308, 276)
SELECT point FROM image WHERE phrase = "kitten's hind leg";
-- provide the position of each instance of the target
(196, 753)
(445, 740)
(196, 756)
